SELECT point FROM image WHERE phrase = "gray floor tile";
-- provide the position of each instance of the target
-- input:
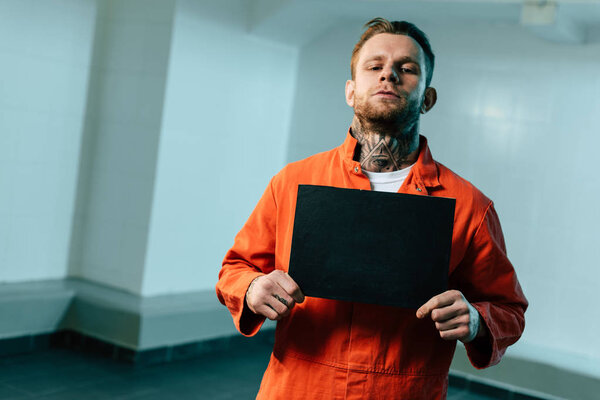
(58, 374)
(8, 393)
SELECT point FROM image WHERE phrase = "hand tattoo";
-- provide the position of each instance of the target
(281, 299)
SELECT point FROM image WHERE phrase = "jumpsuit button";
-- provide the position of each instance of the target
(419, 189)
(356, 169)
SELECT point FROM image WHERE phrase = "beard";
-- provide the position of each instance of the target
(397, 117)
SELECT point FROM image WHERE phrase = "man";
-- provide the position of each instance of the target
(328, 349)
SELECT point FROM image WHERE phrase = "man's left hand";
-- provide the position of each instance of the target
(454, 317)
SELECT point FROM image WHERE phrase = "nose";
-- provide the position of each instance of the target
(388, 74)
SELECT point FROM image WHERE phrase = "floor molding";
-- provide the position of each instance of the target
(111, 315)
(85, 315)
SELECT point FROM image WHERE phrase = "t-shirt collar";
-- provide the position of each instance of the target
(424, 169)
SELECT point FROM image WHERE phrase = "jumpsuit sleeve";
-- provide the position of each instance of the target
(252, 255)
(489, 282)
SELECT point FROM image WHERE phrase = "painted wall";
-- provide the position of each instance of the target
(518, 117)
(321, 117)
(120, 142)
(224, 134)
(45, 51)
(91, 91)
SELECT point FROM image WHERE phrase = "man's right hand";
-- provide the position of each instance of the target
(273, 295)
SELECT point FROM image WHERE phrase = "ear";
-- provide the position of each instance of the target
(350, 93)
(429, 100)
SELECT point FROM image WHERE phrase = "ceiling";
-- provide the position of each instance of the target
(297, 22)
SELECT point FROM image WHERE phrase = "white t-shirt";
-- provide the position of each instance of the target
(387, 181)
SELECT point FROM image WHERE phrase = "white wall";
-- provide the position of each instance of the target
(45, 50)
(90, 91)
(321, 116)
(123, 122)
(519, 118)
(224, 134)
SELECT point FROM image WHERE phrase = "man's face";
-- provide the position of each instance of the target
(389, 80)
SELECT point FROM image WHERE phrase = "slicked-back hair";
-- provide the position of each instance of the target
(382, 25)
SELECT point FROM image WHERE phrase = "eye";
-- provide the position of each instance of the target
(374, 68)
(410, 69)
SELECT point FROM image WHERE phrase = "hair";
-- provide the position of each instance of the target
(381, 25)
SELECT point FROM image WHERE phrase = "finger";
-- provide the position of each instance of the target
(440, 300)
(462, 320)
(445, 313)
(282, 300)
(268, 287)
(285, 313)
(288, 304)
(291, 287)
(268, 293)
(276, 305)
(282, 296)
(268, 312)
(459, 333)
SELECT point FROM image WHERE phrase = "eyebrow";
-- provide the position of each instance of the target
(402, 60)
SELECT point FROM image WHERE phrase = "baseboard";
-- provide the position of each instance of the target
(530, 377)
(142, 324)
(129, 321)
(160, 328)
(33, 308)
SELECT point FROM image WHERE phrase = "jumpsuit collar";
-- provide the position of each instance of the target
(425, 170)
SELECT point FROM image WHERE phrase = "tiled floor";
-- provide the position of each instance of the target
(62, 374)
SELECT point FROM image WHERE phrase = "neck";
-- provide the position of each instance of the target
(382, 151)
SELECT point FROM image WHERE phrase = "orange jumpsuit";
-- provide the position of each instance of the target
(328, 349)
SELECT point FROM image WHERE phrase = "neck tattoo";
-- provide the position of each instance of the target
(379, 152)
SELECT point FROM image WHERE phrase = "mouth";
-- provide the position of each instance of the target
(386, 94)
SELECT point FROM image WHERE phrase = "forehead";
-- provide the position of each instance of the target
(392, 45)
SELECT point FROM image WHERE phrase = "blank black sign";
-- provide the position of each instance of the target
(371, 247)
